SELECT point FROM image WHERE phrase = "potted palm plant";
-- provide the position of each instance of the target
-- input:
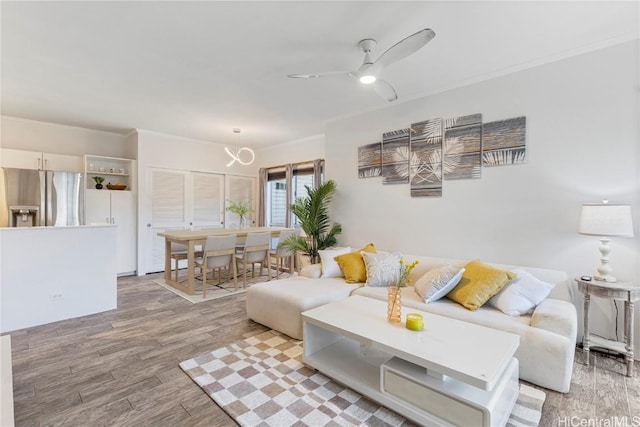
(312, 212)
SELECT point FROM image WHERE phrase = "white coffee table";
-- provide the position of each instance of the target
(452, 373)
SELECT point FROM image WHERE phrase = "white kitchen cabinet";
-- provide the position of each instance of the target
(22, 159)
(118, 208)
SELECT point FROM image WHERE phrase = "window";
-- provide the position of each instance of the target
(277, 187)
(300, 179)
(276, 199)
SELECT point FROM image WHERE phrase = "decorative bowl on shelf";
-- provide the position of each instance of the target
(116, 186)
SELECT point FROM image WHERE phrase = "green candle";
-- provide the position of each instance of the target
(415, 322)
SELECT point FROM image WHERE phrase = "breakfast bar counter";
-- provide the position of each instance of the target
(49, 274)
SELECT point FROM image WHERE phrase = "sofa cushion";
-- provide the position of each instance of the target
(352, 264)
(330, 267)
(437, 282)
(383, 270)
(312, 271)
(479, 282)
(279, 304)
(556, 316)
(521, 294)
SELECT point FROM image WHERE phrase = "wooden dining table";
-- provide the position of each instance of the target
(192, 238)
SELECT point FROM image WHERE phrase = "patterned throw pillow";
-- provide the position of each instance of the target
(383, 270)
(437, 282)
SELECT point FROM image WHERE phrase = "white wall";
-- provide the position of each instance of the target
(582, 146)
(31, 135)
(302, 150)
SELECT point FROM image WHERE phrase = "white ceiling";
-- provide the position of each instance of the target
(199, 69)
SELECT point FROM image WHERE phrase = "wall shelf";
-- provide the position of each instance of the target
(114, 170)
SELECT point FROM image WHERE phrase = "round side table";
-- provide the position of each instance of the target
(623, 291)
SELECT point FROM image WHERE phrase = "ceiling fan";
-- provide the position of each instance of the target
(369, 72)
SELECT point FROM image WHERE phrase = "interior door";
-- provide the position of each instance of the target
(167, 189)
(240, 189)
(207, 196)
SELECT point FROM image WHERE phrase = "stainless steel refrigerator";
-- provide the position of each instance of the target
(31, 198)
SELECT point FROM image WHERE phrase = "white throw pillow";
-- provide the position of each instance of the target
(382, 269)
(521, 294)
(312, 271)
(330, 267)
(437, 282)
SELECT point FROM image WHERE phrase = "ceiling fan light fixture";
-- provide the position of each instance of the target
(367, 79)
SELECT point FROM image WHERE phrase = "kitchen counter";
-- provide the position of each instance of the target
(49, 274)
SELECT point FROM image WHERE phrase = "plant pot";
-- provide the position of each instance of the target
(98, 186)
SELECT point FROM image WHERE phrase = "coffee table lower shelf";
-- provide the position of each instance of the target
(425, 397)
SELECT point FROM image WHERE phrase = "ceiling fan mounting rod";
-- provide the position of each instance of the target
(367, 45)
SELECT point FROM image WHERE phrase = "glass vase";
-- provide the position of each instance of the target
(394, 304)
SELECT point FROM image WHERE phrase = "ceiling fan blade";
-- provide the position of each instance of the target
(405, 47)
(318, 75)
(385, 90)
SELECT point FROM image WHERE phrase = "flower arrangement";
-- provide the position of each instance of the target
(405, 270)
(394, 301)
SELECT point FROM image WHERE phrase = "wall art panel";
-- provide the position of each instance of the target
(462, 147)
(426, 159)
(504, 142)
(395, 157)
(370, 160)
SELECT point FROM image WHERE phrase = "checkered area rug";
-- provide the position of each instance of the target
(261, 381)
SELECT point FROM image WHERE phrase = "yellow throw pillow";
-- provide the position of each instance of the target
(352, 265)
(479, 282)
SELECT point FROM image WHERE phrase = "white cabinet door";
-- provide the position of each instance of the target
(23, 159)
(123, 214)
(98, 207)
(62, 162)
(240, 189)
(118, 208)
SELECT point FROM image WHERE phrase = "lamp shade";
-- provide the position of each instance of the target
(604, 219)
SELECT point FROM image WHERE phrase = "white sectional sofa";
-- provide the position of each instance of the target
(547, 336)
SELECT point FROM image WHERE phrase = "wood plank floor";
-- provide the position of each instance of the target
(120, 368)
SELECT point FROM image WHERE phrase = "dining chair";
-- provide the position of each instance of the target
(218, 252)
(180, 251)
(256, 250)
(282, 254)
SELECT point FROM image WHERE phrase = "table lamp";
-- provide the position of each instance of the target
(605, 220)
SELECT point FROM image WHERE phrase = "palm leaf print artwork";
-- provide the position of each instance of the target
(370, 160)
(435, 150)
(425, 171)
(462, 147)
(504, 142)
(395, 157)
